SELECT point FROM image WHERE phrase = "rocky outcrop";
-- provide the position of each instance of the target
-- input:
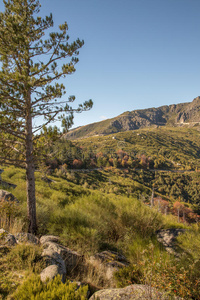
(70, 258)
(60, 260)
(56, 254)
(132, 292)
(53, 258)
(168, 237)
(175, 115)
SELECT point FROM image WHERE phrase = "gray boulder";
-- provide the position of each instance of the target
(71, 258)
(168, 237)
(50, 273)
(6, 238)
(26, 238)
(132, 292)
(51, 257)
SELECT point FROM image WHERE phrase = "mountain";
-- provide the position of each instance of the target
(173, 115)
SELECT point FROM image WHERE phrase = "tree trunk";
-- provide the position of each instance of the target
(30, 176)
(31, 201)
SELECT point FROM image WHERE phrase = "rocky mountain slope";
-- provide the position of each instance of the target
(173, 115)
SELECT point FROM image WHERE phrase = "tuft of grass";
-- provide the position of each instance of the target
(26, 257)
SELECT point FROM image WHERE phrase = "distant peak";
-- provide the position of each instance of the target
(187, 114)
(197, 98)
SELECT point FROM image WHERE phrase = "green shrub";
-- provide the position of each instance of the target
(137, 216)
(35, 289)
(160, 270)
(190, 243)
(26, 256)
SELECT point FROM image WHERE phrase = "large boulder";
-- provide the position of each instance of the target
(168, 237)
(50, 273)
(6, 238)
(71, 258)
(132, 292)
(110, 262)
(51, 257)
(23, 237)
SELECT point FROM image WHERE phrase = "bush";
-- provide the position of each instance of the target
(163, 272)
(34, 288)
(27, 257)
(138, 217)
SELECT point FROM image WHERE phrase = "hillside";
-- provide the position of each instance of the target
(174, 115)
(165, 157)
(104, 210)
(112, 193)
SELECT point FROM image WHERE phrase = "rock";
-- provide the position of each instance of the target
(50, 273)
(49, 238)
(7, 196)
(71, 258)
(7, 238)
(26, 238)
(10, 240)
(111, 262)
(167, 237)
(51, 257)
(132, 292)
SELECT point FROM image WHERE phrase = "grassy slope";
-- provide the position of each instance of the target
(108, 217)
(103, 209)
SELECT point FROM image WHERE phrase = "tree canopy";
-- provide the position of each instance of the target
(30, 84)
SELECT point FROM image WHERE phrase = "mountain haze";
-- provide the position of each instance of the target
(173, 115)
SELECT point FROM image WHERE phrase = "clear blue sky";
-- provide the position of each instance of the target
(137, 53)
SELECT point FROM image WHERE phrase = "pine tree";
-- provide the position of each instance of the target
(30, 86)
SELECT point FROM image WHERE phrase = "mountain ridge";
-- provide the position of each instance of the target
(187, 113)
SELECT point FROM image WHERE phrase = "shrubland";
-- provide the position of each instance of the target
(102, 200)
(102, 210)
